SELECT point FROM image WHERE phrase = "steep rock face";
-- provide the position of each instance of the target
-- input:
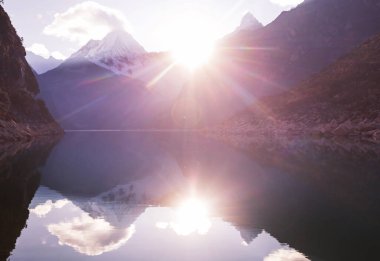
(343, 100)
(21, 115)
(300, 42)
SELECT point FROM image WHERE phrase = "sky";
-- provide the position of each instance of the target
(60, 27)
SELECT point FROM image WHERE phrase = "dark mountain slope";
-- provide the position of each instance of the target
(21, 115)
(300, 42)
(85, 96)
(343, 100)
(82, 95)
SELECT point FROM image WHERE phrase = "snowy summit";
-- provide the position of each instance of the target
(115, 52)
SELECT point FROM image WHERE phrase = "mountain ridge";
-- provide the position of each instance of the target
(40, 64)
(300, 42)
(340, 101)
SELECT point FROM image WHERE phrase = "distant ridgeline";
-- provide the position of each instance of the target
(21, 115)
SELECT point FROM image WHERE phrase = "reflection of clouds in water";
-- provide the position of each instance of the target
(286, 255)
(90, 236)
(42, 210)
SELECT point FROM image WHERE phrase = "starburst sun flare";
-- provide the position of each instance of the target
(193, 41)
(193, 53)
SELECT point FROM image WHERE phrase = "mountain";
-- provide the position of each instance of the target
(40, 64)
(83, 95)
(248, 234)
(342, 100)
(118, 52)
(298, 44)
(249, 23)
(112, 84)
(247, 66)
(21, 115)
(86, 96)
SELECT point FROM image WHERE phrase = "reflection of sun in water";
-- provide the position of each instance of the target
(192, 216)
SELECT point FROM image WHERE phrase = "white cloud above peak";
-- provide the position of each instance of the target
(86, 21)
(39, 49)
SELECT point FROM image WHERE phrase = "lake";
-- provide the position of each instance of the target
(182, 196)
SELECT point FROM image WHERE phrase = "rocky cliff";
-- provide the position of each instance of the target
(21, 115)
(342, 100)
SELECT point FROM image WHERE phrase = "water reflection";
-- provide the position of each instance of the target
(191, 216)
(90, 236)
(43, 209)
(286, 255)
(101, 236)
(112, 196)
(19, 179)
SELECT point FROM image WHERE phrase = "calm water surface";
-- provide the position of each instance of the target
(172, 196)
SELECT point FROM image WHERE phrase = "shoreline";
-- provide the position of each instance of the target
(11, 131)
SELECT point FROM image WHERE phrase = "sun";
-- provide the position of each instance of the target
(192, 39)
(193, 53)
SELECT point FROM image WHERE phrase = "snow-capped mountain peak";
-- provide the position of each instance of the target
(116, 51)
(249, 22)
(116, 44)
(85, 51)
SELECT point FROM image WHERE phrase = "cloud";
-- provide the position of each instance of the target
(42, 210)
(39, 49)
(90, 236)
(86, 21)
(58, 55)
(286, 255)
(287, 2)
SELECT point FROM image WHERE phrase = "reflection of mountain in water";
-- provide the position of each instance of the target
(325, 190)
(124, 174)
(335, 203)
(122, 205)
(248, 234)
(90, 164)
(319, 199)
(19, 179)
